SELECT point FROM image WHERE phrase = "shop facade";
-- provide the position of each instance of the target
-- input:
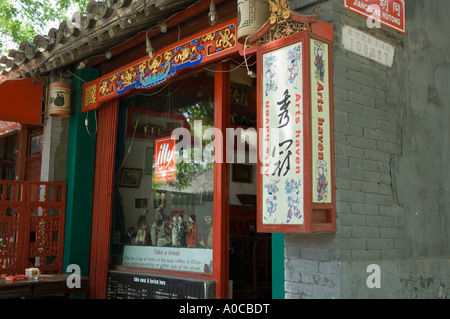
(31, 208)
(185, 187)
(163, 200)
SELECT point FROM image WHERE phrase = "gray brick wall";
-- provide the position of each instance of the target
(54, 155)
(367, 137)
(311, 263)
(370, 223)
(392, 165)
(311, 267)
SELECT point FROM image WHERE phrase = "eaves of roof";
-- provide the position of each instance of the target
(103, 25)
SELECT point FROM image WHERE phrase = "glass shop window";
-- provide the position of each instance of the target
(164, 178)
(35, 143)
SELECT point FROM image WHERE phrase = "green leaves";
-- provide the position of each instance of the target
(21, 20)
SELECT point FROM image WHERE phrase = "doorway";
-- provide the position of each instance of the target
(250, 261)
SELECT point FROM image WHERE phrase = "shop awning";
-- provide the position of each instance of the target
(21, 101)
(8, 127)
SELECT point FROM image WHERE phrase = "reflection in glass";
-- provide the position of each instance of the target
(173, 231)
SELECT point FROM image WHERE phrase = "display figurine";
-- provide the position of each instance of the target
(182, 231)
(163, 231)
(142, 237)
(131, 235)
(209, 231)
(175, 228)
(195, 240)
(154, 230)
(162, 236)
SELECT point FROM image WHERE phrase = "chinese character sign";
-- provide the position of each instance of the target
(282, 144)
(320, 122)
(165, 160)
(390, 13)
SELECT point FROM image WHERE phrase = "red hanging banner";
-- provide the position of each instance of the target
(390, 13)
(21, 101)
(165, 160)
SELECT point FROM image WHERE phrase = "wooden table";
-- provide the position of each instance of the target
(47, 286)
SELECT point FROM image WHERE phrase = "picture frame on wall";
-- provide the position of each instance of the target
(242, 173)
(130, 177)
(140, 203)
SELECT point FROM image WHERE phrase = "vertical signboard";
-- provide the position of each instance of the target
(320, 122)
(282, 189)
(295, 182)
(282, 117)
(165, 160)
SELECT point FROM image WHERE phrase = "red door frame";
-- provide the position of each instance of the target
(221, 184)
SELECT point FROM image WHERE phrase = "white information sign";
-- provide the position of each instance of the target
(198, 260)
(367, 46)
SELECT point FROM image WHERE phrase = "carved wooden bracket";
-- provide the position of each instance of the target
(281, 23)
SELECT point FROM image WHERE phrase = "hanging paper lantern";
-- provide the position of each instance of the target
(252, 15)
(59, 99)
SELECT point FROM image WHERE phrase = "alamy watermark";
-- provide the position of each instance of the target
(74, 279)
(374, 279)
(206, 144)
(372, 20)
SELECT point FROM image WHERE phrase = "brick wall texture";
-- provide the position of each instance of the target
(370, 223)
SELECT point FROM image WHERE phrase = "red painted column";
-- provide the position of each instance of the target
(221, 186)
(103, 197)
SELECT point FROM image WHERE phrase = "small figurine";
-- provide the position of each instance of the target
(156, 226)
(131, 235)
(195, 240)
(182, 231)
(209, 231)
(175, 228)
(163, 231)
(153, 231)
(142, 237)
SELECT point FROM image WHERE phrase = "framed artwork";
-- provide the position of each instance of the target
(36, 145)
(140, 203)
(242, 173)
(130, 177)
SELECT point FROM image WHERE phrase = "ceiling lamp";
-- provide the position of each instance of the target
(149, 47)
(212, 15)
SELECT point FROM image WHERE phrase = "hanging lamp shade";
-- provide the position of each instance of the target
(59, 99)
(252, 15)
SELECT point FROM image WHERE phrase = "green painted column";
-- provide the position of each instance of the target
(278, 266)
(80, 178)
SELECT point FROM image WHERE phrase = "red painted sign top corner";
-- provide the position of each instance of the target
(390, 13)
